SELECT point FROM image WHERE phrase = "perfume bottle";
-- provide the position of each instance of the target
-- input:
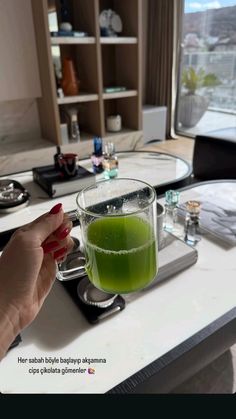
(57, 157)
(192, 223)
(97, 144)
(172, 200)
(74, 128)
(74, 132)
(110, 161)
(97, 156)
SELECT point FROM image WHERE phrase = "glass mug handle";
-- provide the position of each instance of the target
(63, 272)
(72, 273)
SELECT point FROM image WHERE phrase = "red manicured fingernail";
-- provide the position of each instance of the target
(55, 209)
(59, 253)
(49, 247)
(62, 235)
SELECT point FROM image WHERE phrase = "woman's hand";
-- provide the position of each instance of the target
(28, 270)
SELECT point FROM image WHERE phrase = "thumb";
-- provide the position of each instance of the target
(45, 225)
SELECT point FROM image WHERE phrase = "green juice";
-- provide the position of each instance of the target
(121, 253)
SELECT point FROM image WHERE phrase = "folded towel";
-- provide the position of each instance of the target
(229, 223)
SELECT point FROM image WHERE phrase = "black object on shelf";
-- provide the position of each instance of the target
(65, 11)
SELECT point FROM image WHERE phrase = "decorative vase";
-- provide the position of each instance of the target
(65, 11)
(69, 83)
(192, 109)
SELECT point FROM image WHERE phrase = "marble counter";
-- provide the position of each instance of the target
(31, 151)
(164, 169)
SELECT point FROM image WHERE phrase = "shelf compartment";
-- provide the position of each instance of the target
(118, 40)
(71, 40)
(128, 108)
(82, 97)
(119, 95)
(89, 117)
(85, 62)
(119, 66)
(128, 12)
(81, 15)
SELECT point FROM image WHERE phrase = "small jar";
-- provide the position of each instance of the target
(192, 223)
(114, 123)
(110, 161)
(172, 200)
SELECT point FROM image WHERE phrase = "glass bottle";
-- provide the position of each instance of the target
(56, 158)
(192, 224)
(110, 161)
(97, 156)
(97, 145)
(172, 200)
(74, 127)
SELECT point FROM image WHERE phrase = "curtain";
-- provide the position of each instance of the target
(163, 55)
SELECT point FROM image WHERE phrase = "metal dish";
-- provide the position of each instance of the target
(13, 196)
(91, 295)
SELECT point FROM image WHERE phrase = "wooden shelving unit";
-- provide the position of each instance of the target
(100, 62)
(82, 97)
(70, 40)
(119, 95)
(118, 40)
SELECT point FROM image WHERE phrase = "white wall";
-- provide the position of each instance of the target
(19, 74)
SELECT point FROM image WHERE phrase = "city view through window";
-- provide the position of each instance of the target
(207, 92)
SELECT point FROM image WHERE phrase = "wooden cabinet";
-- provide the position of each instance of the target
(100, 62)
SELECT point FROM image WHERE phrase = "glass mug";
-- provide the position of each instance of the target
(119, 234)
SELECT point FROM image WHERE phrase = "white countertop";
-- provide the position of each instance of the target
(152, 323)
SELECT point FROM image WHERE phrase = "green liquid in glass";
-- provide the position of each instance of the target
(121, 253)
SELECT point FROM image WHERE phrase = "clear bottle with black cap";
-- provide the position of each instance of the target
(192, 223)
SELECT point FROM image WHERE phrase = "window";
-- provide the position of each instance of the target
(207, 91)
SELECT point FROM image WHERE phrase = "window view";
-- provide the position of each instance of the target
(207, 92)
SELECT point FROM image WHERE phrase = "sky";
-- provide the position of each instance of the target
(192, 6)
